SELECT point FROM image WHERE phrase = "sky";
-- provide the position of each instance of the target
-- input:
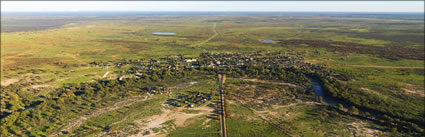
(295, 6)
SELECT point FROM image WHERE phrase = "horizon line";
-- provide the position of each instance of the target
(221, 11)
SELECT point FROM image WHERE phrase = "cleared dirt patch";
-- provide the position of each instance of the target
(8, 82)
(179, 118)
(359, 129)
(80, 120)
(408, 91)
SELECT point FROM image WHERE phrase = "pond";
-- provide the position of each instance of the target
(26, 108)
(267, 40)
(318, 91)
(164, 33)
(31, 106)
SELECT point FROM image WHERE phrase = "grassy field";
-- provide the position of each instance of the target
(45, 54)
(120, 118)
(254, 113)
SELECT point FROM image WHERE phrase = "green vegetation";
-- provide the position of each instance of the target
(104, 75)
(120, 118)
(198, 128)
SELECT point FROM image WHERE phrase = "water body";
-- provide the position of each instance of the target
(164, 33)
(32, 106)
(26, 108)
(318, 91)
(267, 40)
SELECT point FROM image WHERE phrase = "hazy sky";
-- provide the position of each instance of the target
(347, 6)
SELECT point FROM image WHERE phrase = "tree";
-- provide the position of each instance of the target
(354, 110)
(324, 115)
(340, 106)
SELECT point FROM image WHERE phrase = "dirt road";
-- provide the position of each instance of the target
(375, 66)
(76, 122)
(210, 38)
(264, 81)
(157, 121)
(106, 74)
(222, 112)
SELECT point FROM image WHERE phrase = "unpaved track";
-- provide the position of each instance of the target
(166, 115)
(106, 74)
(76, 122)
(264, 118)
(222, 112)
(210, 38)
(408, 91)
(8, 82)
(375, 66)
(264, 81)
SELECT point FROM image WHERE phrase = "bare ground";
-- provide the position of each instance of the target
(179, 119)
(375, 66)
(264, 81)
(8, 82)
(408, 91)
(360, 129)
(76, 122)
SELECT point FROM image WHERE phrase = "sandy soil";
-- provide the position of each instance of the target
(408, 91)
(180, 117)
(40, 86)
(76, 122)
(8, 82)
(106, 74)
(405, 90)
(271, 82)
(375, 66)
(360, 129)
(80, 120)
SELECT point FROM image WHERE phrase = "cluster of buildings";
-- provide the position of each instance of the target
(155, 90)
(191, 100)
(140, 67)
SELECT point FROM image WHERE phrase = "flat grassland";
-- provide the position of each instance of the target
(384, 53)
(72, 46)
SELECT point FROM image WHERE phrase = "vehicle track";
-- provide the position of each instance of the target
(264, 81)
(76, 122)
(375, 66)
(210, 38)
(222, 112)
